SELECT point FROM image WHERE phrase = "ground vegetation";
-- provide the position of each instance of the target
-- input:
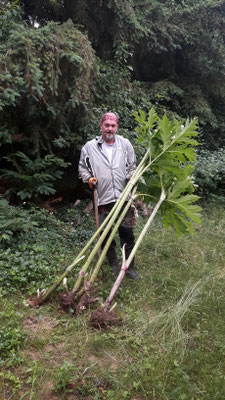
(169, 340)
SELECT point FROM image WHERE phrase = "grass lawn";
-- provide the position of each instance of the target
(170, 342)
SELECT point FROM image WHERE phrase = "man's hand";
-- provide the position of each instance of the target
(93, 183)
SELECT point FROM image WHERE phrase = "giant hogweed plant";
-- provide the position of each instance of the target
(164, 177)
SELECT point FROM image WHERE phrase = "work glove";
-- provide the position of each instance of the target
(93, 183)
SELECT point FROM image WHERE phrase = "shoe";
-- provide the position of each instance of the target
(132, 274)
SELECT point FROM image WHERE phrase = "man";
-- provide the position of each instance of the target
(107, 163)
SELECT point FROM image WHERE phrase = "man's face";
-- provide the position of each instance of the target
(109, 128)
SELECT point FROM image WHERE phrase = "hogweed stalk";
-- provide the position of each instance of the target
(105, 249)
(165, 174)
(126, 263)
(107, 224)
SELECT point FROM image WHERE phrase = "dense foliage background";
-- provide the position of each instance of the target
(64, 62)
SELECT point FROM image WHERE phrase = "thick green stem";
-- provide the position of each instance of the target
(135, 177)
(42, 298)
(120, 203)
(145, 229)
(127, 262)
(104, 251)
(109, 241)
(114, 214)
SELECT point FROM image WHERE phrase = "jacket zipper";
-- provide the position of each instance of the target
(111, 170)
(113, 181)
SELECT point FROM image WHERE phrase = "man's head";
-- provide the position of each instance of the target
(109, 126)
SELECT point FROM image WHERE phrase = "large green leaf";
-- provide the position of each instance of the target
(171, 144)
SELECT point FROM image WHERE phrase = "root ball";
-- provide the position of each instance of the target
(101, 319)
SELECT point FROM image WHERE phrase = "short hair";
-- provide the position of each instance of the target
(110, 115)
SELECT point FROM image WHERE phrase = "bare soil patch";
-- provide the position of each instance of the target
(108, 361)
(36, 325)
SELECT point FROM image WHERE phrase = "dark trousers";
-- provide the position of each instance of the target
(126, 234)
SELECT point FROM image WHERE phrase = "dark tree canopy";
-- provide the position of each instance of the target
(64, 62)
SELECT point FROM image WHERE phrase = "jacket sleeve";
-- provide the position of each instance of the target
(83, 170)
(131, 160)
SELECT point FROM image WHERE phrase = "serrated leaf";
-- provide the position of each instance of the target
(172, 152)
(165, 127)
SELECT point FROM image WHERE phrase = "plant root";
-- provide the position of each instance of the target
(101, 319)
(85, 299)
(34, 302)
(67, 300)
(83, 303)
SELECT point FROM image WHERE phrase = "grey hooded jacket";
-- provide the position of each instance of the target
(112, 177)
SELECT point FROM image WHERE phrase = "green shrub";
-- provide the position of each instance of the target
(33, 177)
(13, 221)
(210, 171)
(64, 376)
(36, 245)
(46, 76)
(12, 336)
